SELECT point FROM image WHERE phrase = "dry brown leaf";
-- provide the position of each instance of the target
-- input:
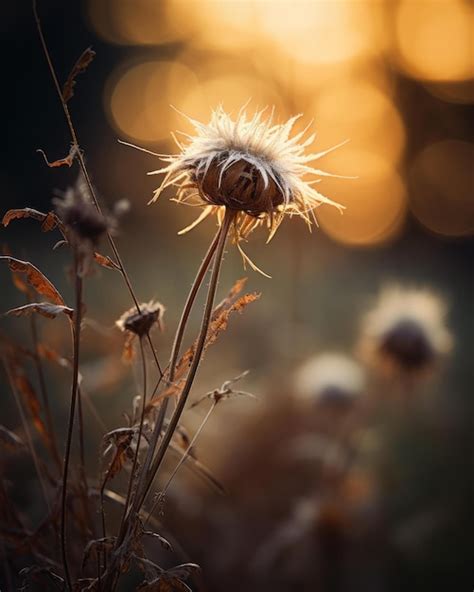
(121, 440)
(105, 261)
(35, 278)
(219, 321)
(79, 67)
(66, 161)
(46, 309)
(30, 398)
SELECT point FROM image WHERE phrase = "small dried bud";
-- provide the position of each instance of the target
(405, 332)
(140, 323)
(407, 343)
(83, 222)
(238, 186)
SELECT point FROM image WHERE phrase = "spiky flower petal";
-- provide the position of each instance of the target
(249, 165)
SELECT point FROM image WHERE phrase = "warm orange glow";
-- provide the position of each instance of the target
(321, 32)
(138, 98)
(443, 181)
(435, 39)
(375, 202)
(364, 114)
(133, 22)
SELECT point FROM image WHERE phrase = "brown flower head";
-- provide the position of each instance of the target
(406, 330)
(140, 323)
(249, 165)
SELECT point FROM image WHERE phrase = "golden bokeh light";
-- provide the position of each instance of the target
(435, 39)
(443, 188)
(138, 98)
(134, 22)
(361, 112)
(227, 24)
(322, 32)
(375, 201)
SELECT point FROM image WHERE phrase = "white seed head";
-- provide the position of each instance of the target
(330, 377)
(250, 165)
(407, 326)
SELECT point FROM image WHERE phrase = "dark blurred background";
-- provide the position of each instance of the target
(394, 77)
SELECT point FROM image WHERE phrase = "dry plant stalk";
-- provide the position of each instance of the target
(249, 177)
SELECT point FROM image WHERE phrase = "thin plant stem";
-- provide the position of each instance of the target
(72, 410)
(183, 458)
(201, 341)
(44, 393)
(112, 575)
(29, 437)
(139, 437)
(201, 274)
(78, 154)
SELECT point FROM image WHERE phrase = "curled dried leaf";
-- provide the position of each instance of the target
(219, 321)
(79, 67)
(35, 278)
(46, 309)
(105, 261)
(120, 442)
(48, 221)
(66, 161)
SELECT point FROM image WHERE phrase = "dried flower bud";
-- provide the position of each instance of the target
(405, 331)
(330, 378)
(140, 323)
(239, 187)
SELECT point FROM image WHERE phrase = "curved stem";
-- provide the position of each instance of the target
(183, 458)
(201, 341)
(139, 437)
(78, 154)
(178, 339)
(72, 410)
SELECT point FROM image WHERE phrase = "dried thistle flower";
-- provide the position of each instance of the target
(406, 330)
(248, 165)
(85, 226)
(140, 323)
(330, 378)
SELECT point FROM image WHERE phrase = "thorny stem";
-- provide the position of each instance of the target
(78, 154)
(201, 274)
(183, 458)
(29, 438)
(72, 409)
(201, 341)
(44, 393)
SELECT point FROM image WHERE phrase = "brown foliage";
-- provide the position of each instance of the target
(35, 278)
(79, 67)
(46, 309)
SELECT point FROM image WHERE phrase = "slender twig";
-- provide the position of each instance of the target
(139, 436)
(112, 574)
(183, 458)
(72, 410)
(29, 437)
(201, 274)
(80, 157)
(44, 392)
(197, 354)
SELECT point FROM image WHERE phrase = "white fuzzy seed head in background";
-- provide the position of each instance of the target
(330, 377)
(407, 327)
